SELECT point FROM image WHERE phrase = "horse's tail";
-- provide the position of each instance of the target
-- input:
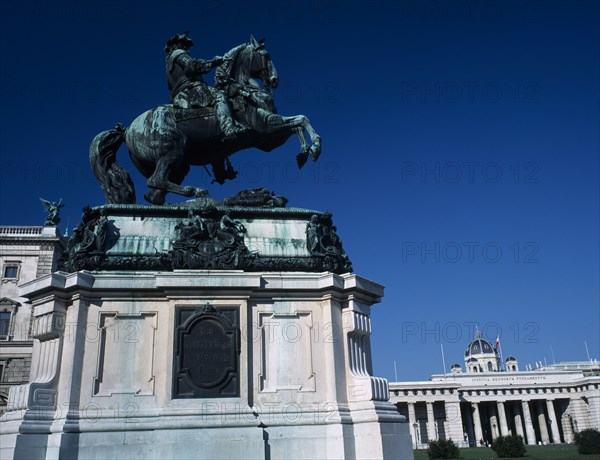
(114, 180)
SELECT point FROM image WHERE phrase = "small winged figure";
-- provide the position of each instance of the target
(53, 210)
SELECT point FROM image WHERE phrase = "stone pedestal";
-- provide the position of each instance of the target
(196, 363)
(104, 373)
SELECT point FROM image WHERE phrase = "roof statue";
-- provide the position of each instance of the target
(52, 211)
(202, 125)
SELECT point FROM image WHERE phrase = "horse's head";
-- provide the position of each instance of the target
(250, 61)
(261, 65)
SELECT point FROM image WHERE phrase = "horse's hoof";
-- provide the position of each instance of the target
(189, 191)
(301, 159)
(315, 152)
(155, 197)
(201, 193)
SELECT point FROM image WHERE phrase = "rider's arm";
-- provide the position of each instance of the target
(193, 67)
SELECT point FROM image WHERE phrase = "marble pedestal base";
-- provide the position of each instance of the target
(105, 382)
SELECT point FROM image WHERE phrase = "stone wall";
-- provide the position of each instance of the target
(16, 370)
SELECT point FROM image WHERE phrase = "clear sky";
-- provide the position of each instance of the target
(460, 147)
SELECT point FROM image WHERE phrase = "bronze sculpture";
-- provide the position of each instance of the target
(165, 141)
(52, 211)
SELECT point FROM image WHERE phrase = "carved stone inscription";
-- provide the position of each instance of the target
(207, 349)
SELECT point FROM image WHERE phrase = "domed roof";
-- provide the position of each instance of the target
(510, 358)
(479, 346)
(455, 366)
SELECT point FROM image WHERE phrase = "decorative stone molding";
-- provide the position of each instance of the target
(361, 385)
(48, 328)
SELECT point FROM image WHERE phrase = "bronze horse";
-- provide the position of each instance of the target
(165, 141)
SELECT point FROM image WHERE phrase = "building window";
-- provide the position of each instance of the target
(490, 369)
(11, 271)
(4, 324)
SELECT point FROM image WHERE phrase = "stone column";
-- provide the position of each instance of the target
(412, 420)
(518, 420)
(494, 422)
(454, 421)
(431, 434)
(477, 423)
(502, 419)
(542, 421)
(553, 421)
(528, 423)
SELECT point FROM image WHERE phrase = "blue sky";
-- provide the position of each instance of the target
(460, 147)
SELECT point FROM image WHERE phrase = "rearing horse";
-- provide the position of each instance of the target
(165, 141)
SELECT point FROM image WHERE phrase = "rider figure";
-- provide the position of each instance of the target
(189, 90)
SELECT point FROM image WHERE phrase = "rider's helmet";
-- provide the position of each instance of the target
(179, 41)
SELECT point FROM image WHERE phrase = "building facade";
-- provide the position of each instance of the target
(545, 405)
(26, 253)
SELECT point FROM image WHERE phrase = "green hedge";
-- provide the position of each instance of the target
(509, 446)
(588, 441)
(443, 449)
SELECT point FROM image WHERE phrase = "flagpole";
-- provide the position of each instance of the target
(443, 358)
(395, 371)
(586, 350)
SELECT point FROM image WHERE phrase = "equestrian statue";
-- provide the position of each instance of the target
(202, 125)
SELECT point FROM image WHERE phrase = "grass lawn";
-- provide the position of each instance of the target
(560, 452)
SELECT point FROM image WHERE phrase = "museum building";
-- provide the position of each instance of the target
(475, 405)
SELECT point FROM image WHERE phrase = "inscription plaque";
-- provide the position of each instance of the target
(207, 348)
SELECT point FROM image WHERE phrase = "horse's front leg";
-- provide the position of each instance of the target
(301, 123)
(302, 156)
(274, 122)
(315, 148)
